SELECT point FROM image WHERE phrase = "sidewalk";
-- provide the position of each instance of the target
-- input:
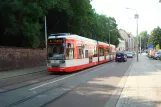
(143, 86)
(12, 73)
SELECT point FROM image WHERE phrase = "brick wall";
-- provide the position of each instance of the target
(15, 58)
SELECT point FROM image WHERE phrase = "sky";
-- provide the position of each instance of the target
(149, 13)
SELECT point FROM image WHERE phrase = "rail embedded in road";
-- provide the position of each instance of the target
(44, 92)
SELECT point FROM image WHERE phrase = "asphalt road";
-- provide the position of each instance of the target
(15, 82)
(90, 87)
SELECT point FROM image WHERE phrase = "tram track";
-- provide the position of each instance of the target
(9, 84)
(30, 97)
(62, 85)
(42, 78)
(13, 83)
(21, 78)
(21, 75)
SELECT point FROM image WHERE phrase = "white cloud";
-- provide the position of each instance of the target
(149, 13)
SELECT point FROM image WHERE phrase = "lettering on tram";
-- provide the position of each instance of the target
(55, 41)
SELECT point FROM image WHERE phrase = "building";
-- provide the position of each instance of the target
(131, 42)
(127, 42)
(123, 41)
(121, 46)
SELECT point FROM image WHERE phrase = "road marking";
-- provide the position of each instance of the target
(65, 78)
(51, 82)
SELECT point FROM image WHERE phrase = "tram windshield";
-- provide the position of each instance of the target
(55, 52)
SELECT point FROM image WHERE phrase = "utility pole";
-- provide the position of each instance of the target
(137, 43)
(140, 44)
(95, 37)
(45, 33)
(109, 46)
(136, 17)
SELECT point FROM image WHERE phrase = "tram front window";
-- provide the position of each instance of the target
(55, 52)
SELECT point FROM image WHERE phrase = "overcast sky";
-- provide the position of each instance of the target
(149, 13)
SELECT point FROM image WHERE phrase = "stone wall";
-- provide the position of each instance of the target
(15, 58)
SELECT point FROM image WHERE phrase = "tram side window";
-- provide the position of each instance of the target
(101, 52)
(95, 51)
(86, 53)
(92, 50)
(110, 51)
(80, 53)
(70, 51)
(107, 51)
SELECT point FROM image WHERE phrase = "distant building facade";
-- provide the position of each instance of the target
(127, 43)
(131, 42)
(123, 42)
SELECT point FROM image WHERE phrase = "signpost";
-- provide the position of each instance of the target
(150, 47)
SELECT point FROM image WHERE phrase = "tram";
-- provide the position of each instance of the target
(70, 52)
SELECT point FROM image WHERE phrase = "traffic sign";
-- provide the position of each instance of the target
(150, 46)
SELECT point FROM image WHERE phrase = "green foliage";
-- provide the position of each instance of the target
(155, 38)
(20, 20)
(135, 38)
(144, 39)
(23, 21)
(157, 47)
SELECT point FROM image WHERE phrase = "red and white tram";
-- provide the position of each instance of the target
(70, 52)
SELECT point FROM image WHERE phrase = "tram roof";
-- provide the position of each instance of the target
(77, 37)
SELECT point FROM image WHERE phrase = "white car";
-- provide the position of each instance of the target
(129, 54)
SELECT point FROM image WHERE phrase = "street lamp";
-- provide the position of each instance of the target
(136, 17)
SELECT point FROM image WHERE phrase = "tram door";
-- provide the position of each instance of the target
(105, 53)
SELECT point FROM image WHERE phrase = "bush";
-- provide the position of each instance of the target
(160, 58)
(148, 55)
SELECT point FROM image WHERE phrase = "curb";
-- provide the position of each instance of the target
(10, 74)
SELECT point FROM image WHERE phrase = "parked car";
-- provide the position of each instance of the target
(129, 54)
(157, 55)
(121, 57)
(153, 54)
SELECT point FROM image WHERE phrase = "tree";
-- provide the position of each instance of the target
(79, 18)
(155, 37)
(157, 47)
(144, 39)
(23, 21)
(20, 21)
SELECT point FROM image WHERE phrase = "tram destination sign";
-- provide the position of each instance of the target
(55, 41)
